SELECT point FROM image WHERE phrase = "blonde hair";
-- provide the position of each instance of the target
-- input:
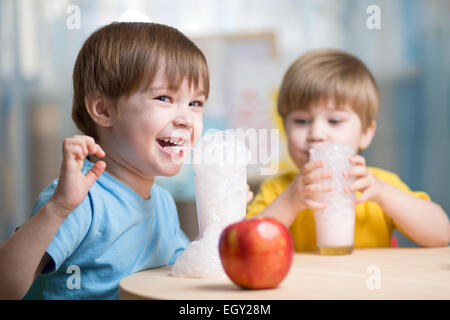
(119, 58)
(324, 74)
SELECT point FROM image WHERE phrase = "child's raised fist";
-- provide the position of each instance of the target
(73, 185)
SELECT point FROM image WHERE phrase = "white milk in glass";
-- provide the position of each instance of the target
(335, 225)
(219, 164)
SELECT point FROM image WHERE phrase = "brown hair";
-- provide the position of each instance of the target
(324, 74)
(119, 58)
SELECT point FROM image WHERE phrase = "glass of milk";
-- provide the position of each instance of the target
(219, 164)
(335, 225)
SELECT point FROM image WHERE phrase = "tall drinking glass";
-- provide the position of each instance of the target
(219, 164)
(335, 225)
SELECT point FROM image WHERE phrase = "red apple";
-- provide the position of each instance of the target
(256, 253)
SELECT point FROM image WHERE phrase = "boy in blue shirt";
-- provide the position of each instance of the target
(139, 89)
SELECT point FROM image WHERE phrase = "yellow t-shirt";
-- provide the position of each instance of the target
(373, 227)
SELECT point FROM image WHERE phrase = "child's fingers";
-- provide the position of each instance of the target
(310, 166)
(249, 196)
(88, 144)
(75, 141)
(95, 172)
(357, 159)
(86, 139)
(357, 171)
(91, 146)
(317, 176)
(317, 188)
(311, 204)
(358, 185)
(74, 152)
(71, 154)
(94, 148)
(365, 196)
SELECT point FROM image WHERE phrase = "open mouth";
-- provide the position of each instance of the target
(171, 145)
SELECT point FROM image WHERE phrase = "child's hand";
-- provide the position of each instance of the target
(365, 182)
(249, 195)
(73, 185)
(305, 185)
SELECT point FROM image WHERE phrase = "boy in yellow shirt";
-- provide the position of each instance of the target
(330, 96)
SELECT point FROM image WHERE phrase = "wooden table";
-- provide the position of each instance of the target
(388, 273)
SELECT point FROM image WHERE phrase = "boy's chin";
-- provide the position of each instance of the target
(170, 171)
(300, 161)
(170, 174)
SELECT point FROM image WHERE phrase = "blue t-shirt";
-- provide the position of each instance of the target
(113, 233)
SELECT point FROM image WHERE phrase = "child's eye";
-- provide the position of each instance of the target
(196, 104)
(301, 121)
(334, 121)
(163, 99)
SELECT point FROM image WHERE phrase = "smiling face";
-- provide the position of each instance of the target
(324, 122)
(153, 129)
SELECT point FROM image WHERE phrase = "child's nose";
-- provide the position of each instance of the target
(316, 132)
(183, 119)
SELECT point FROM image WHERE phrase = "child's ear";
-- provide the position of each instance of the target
(98, 108)
(367, 136)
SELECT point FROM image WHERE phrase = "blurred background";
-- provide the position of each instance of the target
(249, 44)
